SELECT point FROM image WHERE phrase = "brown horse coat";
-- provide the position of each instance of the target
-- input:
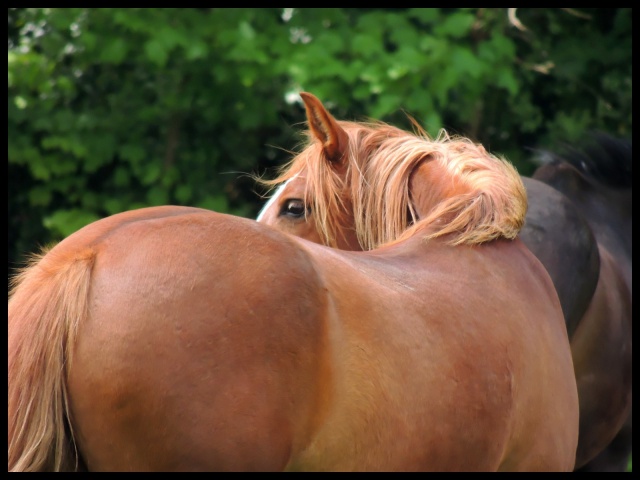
(212, 342)
(176, 338)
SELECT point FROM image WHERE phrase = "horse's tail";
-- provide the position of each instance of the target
(47, 303)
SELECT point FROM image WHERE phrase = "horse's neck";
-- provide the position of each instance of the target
(429, 184)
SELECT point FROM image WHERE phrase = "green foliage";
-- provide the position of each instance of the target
(113, 109)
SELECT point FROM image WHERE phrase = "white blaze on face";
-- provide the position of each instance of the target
(273, 199)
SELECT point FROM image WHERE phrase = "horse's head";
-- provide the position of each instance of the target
(311, 201)
(358, 185)
(597, 177)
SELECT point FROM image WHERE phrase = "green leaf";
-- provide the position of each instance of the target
(365, 45)
(425, 15)
(114, 205)
(466, 62)
(420, 105)
(455, 25)
(183, 194)
(432, 123)
(196, 49)
(502, 46)
(132, 152)
(246, 31)
(157, 196)
(90, 40)
(387, 103)
(156, 52)
(90, 200)
(331, 42)
(410, 58)
(121, 177)
(215, 203)
(39, 169)
(102, 147)
(66, 222)
(151, 173)
(61, 165)
(506, 79)
(169, 176)
(436, 48)
(114, 51)
(39, 196)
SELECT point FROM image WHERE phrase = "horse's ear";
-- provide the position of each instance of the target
(325, 128)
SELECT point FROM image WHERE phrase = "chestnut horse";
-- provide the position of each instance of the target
(583, 237)
(177, 338)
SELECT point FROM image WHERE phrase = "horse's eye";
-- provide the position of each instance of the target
(294, 208)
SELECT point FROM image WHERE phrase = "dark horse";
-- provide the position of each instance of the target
(581, 231)
(578, 224)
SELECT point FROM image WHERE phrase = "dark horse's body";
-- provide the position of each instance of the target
(579, 226)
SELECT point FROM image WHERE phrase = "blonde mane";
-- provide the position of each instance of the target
(491, 201)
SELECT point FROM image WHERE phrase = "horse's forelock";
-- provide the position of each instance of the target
(326, 193)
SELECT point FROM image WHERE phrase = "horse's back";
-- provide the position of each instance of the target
(518, 292)
(470, 390)
(201, 350)
(212, 342)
